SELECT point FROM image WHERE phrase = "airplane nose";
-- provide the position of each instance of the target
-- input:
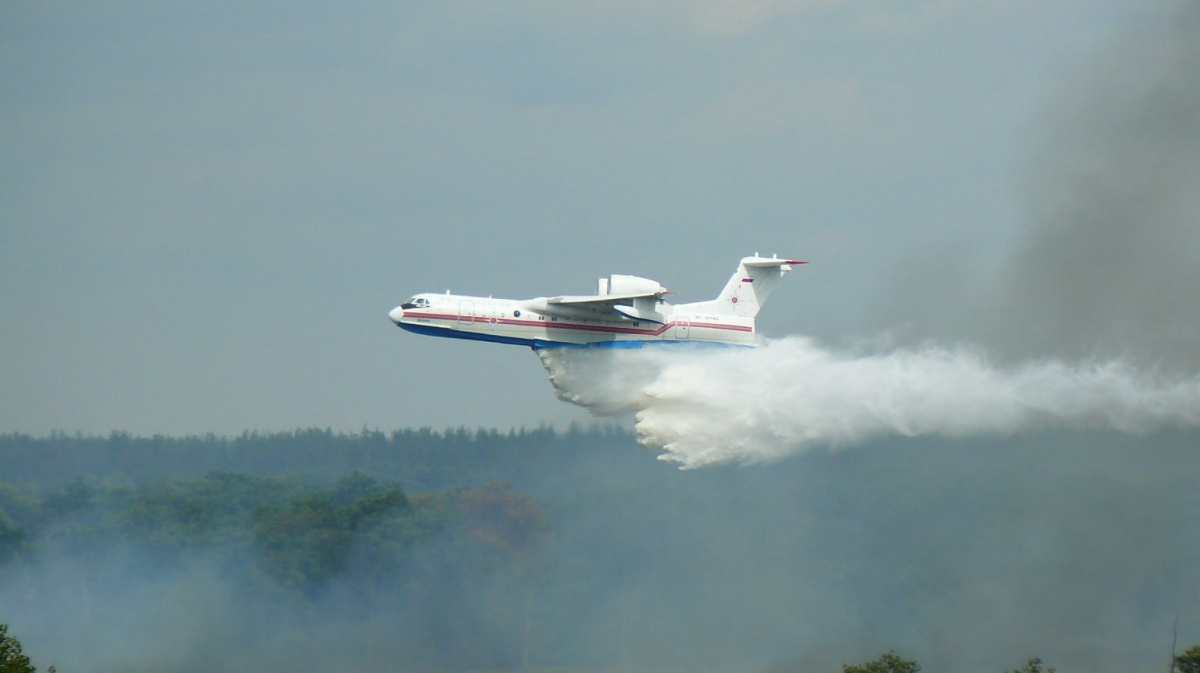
(396, 314)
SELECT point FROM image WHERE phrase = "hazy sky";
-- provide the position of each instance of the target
(206, 211)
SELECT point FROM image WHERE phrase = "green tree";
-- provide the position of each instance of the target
(372, 506)
(889, 662)
(304, 544)
(12, 660)
(1034, 665)
(78, 496)
(310, 541)
(1189, 662)
(353, 487)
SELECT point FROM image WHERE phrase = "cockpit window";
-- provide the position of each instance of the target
(415, 302)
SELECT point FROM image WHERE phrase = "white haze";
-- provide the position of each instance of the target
(703, 406)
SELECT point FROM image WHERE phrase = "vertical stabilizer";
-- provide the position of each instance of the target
(749, 288)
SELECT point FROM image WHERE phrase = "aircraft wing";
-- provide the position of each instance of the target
(609, 306)
(619, 297)
(598, 300)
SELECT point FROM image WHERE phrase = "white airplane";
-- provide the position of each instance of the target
(625, 312)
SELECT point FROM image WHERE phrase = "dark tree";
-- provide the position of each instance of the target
(12, 539)
(889, 662)
(1189, 662)
(304, 544)
(11, 658)
(514, 529)
(1034, 665)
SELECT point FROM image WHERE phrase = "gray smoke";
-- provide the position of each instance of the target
(1093, 320)
(1108, 264)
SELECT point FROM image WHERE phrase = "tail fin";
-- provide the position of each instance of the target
(748, 289)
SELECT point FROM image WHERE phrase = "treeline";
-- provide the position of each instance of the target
(419, 459)
(890, 662)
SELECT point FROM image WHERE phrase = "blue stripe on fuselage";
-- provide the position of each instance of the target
(469, 336)
(532, 343)
(537, 344)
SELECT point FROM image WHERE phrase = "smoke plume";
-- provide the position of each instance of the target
(1091, 320)
(1107, 260)
(1110, 261)
(702, 406)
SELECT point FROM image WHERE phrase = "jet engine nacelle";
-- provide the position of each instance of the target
(621, 285)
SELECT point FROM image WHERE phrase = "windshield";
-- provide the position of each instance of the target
(415, 302)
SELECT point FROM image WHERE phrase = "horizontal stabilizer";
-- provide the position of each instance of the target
(764, 263)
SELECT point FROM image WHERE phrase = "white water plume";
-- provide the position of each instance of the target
(702, 406)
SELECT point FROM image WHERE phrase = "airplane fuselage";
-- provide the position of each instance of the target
(535, 323)
(625, 312)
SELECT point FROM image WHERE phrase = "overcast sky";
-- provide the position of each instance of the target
(207, 210)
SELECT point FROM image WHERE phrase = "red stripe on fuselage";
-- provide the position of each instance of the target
(608, 329)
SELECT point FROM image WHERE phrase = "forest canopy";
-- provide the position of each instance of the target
(416, 549)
